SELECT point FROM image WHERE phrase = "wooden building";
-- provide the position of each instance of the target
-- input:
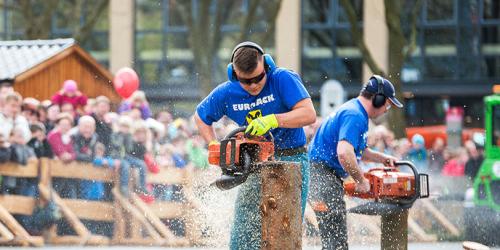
(38, 68)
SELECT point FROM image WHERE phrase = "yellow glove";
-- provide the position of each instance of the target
(212, 142)
(261, 125)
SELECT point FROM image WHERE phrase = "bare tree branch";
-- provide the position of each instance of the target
(358, 38)
(222, 15)
(85, 30)
(412, 41)
(271, 15)
(249, 20)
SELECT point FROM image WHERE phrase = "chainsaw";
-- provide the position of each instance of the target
(237, 156)
(390, 189)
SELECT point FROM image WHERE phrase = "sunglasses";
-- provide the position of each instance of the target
(388, 107)
(256, 79)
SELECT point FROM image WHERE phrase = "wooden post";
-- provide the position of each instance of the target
(395, 231)
(281, 205)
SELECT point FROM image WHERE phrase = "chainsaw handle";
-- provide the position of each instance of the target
(235, 132)
(242, 129)
(417, 181)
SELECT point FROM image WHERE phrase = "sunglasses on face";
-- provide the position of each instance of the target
(387, 107)
(256, 79)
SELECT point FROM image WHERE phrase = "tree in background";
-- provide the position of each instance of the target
(205, 21)
(401, 46)
(75, 18)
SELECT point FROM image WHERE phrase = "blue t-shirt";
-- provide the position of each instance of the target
(349, 123)
(283, 89)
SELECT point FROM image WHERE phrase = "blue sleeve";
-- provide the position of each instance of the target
(291, 88)
(211, 109)
(351, 130)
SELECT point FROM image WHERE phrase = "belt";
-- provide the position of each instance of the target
(290, 151)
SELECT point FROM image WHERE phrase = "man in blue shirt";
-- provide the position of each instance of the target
(264, 98)
(334, 153)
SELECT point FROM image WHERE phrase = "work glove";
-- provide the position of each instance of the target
(262, 125)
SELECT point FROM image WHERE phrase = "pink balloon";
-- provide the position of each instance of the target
(126, 82)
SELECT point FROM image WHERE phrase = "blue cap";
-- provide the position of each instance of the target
(388, 90)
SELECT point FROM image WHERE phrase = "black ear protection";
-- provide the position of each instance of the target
(379, 98)
(269, 64)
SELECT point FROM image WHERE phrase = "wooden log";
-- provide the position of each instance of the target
(69, 240)
(18, 230)
(394, 227)
(440, 217)
(17, 170)
(470, 245)
(80, 170)
(139, 242)
(73, 220)
(5, 233)
(419, 232)
(153, 219)
(33, 241)
(168, 210)
(18, 204)
(281, 205)
(169, 175)
(136, 214)
(91, 210)
(119, 225)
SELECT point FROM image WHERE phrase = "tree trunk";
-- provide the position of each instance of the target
(397, 43)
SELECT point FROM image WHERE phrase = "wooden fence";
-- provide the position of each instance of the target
(135, 222)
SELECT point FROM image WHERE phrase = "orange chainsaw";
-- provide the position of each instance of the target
(390, 186)
(237, 154)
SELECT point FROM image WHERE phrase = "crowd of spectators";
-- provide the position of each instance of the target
(73, 128)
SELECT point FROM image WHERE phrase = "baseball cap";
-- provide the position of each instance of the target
(388, 90)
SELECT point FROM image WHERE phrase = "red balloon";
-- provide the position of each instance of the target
(126, 82)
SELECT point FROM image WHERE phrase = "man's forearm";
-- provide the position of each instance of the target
(350, 164)
(301, 115)
(373, 156)
(206, 131)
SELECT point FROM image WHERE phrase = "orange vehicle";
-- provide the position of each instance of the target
(430, 133)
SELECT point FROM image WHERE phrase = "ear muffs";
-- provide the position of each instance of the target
(269, 64)
(379, 98)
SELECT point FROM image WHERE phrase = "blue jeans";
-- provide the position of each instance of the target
(141, 166)
(246, 232)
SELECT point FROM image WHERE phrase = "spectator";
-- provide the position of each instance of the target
(11, 115)
(436, 156)
(70, 94)
(196, 151)
(29, 109)
(475, 160)
(53, 112)
(456, 165)
(68, 108)
(136, 158)
(138, 101)
(418, 153)
(90, 107)
(103, 125)
(20, 153)
(60, 139)
(4, 149)
(85, 139)
(39, 142)
(100, 160)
